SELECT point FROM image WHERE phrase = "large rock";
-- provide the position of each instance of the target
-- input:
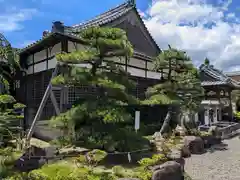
(194, 144)
(170, 170)
(211, 140)
(176, 155)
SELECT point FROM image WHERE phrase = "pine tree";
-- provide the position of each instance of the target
(180, 85)
(109, 79)
(9, 63)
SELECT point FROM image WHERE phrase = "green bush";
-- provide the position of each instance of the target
(111, 137)
(119, 171)
(156, 159)
(68, 172)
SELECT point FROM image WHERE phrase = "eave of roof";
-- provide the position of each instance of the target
(108, 17)
(75, 39)
(100, 20)
(221, 78)
(49, 37)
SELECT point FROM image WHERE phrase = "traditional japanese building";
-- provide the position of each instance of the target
(39, 60)
(218, 87)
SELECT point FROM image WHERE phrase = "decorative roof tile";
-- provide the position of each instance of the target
(103, 18)
(108, 17)
(213, 83)
(219, 76)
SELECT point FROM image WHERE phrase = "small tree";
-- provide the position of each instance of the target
(9, 63)
(9, 119)
(109, 79)
(180, 85)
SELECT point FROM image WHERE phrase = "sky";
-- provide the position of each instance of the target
(203, 28)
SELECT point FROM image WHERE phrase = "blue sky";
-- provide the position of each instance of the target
(203, 28)
(32, 17)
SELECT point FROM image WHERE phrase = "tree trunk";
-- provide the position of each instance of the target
(166, 122)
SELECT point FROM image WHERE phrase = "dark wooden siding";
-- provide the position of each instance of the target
(36, 84)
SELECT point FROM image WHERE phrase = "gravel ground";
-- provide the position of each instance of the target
(219, 163)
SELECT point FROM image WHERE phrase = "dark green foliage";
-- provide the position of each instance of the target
(206, 61)
(9, 120)
(180, 85)
(94, 119)
(111, 137)
(68, 172)
(7, 158)
(8, 65)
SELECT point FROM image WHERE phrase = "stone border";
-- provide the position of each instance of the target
(224, 132)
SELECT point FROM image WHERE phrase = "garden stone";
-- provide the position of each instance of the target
(211, 140)
(194, 144)
(180, 130)
(176, 155)
(185, 151)
(214, 131)
(170, 170)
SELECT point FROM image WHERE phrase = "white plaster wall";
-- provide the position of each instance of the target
(153, 75)
(75, 46)
(136, 72)
(55, 49)
(39, 56)
(72, 46)
(137, 62)
(30, 59)
(52, 63)
(150, 66)
(29, 70)
(40, 67)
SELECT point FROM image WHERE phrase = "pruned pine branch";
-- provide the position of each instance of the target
(110, 81)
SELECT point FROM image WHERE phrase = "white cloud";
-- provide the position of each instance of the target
(11, 20)
(25, 43)
(201, 29)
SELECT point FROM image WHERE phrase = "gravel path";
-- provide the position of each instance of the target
(221, 163)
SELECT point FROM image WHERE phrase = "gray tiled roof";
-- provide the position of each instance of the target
(100, 20)
(212, 83)
(103, 18)
(107, 17)
(221, 78)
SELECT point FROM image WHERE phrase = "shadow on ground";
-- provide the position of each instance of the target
(218, 147)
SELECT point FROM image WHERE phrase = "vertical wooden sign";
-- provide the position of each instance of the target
(137, 120)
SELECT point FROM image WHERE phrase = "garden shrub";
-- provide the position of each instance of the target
(68, 172)
(155, 160)
(111, 138)
(119, 171)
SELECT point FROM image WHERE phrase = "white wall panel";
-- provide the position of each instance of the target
(137, 62)
(153, 75)
(136, 72)
(150, 66)
(55, 49)
(30, 70)
(40, 56)
(40, 67)
(117, 59)
(81, 47)
(30, 59)
(52, 63)
(72, 46)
